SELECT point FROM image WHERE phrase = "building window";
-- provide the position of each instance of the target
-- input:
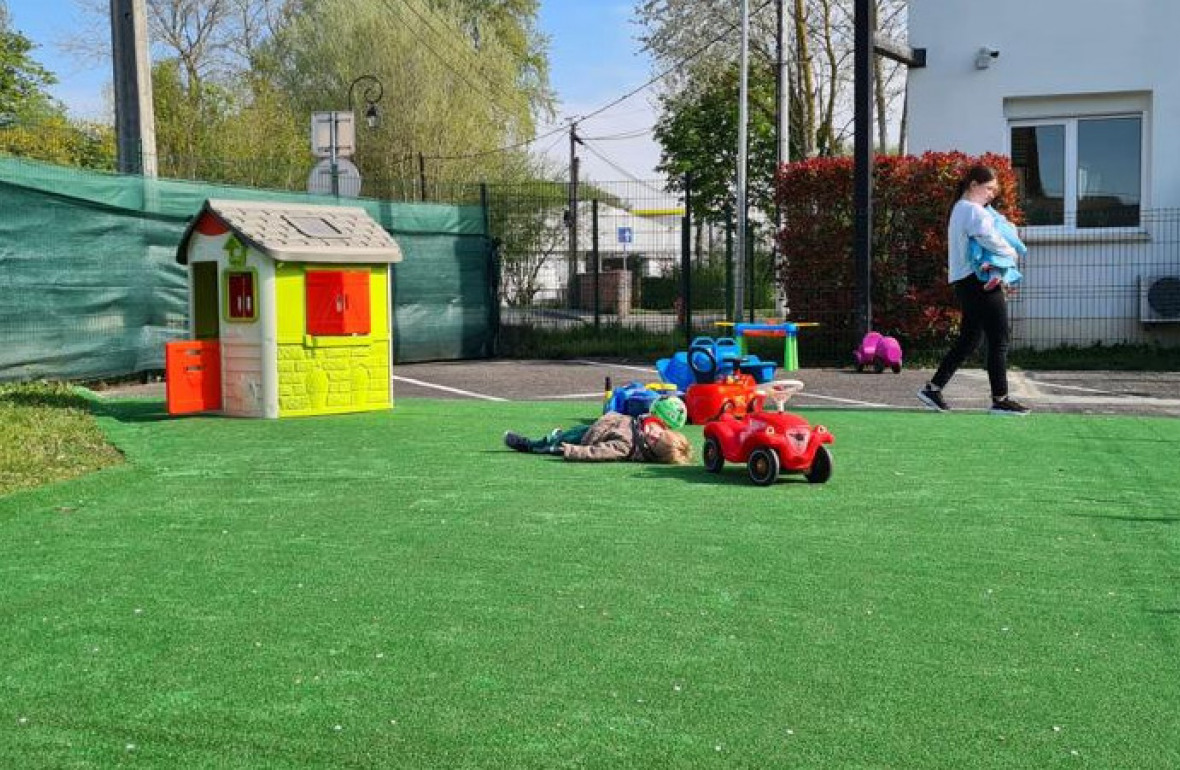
(1085, 172)
(240, 297)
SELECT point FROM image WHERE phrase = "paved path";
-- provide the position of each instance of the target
(1145, 393)
(1126, 393)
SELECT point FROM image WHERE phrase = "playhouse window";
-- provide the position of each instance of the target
(241, 298)
(337, 302)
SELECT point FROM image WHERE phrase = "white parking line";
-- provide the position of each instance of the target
(1043, 384)
(848, 401)
(602, 364)
(467, 393)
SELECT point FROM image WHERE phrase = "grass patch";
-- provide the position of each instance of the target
(398, 590)
(49, 435)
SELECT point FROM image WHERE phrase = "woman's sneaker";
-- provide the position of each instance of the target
(933, 399)
(1007, 406)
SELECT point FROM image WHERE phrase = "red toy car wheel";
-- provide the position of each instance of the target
(714, 459)
(821, 467)
(763, 466)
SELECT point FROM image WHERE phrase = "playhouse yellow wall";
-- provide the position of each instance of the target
(331, 375)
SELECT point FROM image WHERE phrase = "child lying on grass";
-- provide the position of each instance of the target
(611, 437)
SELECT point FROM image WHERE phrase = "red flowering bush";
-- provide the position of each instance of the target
(911, 198)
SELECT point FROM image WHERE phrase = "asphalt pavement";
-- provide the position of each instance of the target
(1090, 392)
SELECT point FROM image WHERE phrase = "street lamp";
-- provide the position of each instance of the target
(333, 138)
(371, 93)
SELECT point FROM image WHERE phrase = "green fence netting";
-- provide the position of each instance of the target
(90, 287)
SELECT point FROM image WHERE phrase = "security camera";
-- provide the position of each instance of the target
(983, 59)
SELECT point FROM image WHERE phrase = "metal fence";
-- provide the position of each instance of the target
(623, 271)
(1086, 286)
(619, 268)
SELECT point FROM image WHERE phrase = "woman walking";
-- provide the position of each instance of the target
(985, 310)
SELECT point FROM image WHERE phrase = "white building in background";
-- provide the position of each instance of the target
(646, 241)
(1084, 96)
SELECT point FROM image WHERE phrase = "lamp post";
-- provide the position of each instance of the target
(333, 138)
(372, 93)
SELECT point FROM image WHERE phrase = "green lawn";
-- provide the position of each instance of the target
(397, 590)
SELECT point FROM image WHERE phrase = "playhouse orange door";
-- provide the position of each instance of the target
(192, 371)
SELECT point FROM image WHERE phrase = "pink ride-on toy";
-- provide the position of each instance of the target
(770, 442)
(880, 352)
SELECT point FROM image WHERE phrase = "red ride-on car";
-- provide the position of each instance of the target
(769, 443)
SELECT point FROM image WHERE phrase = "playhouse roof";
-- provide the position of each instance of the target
(289, 232)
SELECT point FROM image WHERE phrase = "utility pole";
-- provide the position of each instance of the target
(135, 124)
(572, 220)
(862, 196)
(743, 120)
(784, 153)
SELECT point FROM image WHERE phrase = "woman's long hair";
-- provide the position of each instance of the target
(979, 174)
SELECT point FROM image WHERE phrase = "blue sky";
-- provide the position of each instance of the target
(594, 59)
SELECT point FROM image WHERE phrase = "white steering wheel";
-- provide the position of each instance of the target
(780, 392)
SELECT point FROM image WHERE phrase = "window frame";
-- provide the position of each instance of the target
(1070, 200)
(227, 308)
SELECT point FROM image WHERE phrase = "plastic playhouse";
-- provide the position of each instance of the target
(288, 312)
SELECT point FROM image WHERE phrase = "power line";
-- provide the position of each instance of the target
(590, 115)
(476, 89)
(674, 66)
(616, 137)
(621, 170)
(517, 146)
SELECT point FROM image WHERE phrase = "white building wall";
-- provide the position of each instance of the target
(1072, 55)
(1047, 47)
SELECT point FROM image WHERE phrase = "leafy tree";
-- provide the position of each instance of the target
(445, 98)
(243, 133)
(32, 123)
(697, 131)
(23, 82)
(820, 35)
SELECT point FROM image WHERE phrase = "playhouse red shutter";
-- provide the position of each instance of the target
(356, 302)
(241, 295)
(338, 302)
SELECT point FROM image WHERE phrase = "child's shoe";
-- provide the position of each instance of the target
(516, 441)
(992, 283)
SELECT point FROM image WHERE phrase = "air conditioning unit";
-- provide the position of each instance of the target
(1159, 299)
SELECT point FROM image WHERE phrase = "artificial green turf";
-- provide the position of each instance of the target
(398, 590)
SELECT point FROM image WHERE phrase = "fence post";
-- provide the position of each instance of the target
(686, 260)
(729, 266)
(493, 248)
(594, 256)
(750, 277)
(422, 174)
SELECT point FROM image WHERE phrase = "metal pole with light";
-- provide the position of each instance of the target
(333, 138)
(743, 118)
(372, 94)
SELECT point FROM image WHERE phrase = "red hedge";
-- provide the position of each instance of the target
(911, 197)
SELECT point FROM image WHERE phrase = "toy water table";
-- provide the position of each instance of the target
(787, 331)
